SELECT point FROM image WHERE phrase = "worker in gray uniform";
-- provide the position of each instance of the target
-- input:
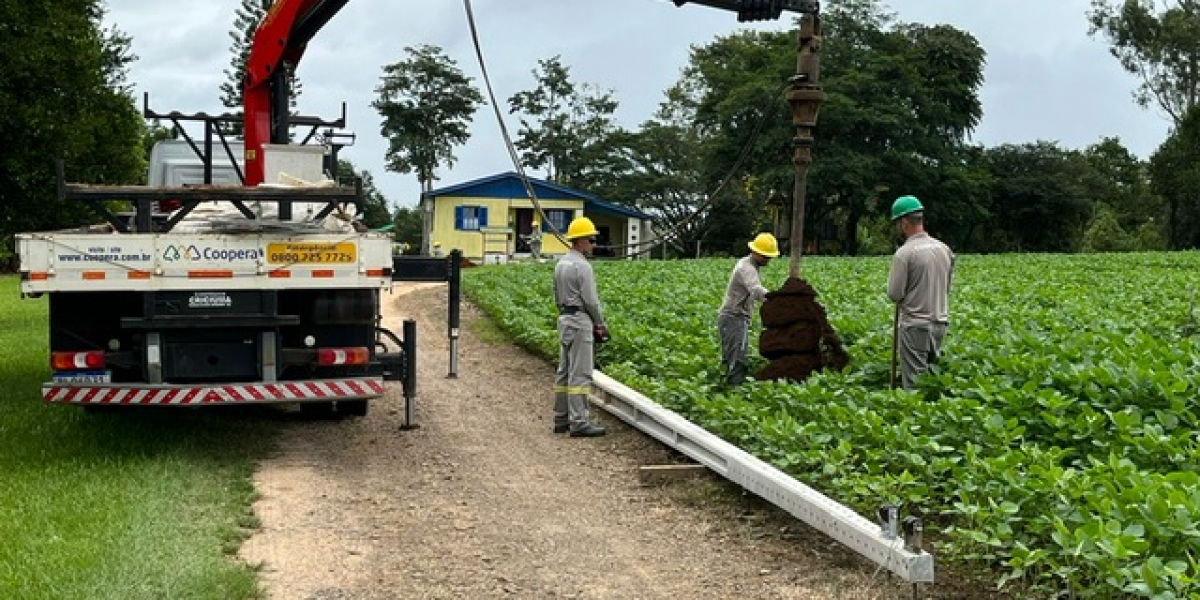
(919, 284)
(744, 290)
(580, 323)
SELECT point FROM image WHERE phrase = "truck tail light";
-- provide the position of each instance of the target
(328, 357)
(77, 361)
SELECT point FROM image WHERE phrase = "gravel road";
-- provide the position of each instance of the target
(483, 501)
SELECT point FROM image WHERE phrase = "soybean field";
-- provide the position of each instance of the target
(1055, 448)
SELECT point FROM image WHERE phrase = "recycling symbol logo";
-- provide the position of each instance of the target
(174, 253)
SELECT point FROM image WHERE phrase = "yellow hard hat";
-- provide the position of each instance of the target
(437, 243)
(581, 227)
(765, 244)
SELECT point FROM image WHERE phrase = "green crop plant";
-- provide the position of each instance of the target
(1056, 443)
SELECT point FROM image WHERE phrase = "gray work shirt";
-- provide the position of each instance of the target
(575, 285)
(744, 289)
(919, 281)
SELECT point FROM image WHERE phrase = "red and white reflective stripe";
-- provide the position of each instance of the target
(286, 391)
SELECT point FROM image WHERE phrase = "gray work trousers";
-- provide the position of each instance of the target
(734, 331)
(573, 380)
(920, 345)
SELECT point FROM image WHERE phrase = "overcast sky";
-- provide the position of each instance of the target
(1046, 79)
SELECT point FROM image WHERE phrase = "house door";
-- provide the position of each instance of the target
(523, 226)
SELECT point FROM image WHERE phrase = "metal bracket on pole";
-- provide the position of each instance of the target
(835, 520)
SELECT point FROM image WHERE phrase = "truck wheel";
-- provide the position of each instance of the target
(318, 411)
(352, 408)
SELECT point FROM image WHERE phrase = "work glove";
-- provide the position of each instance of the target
(600, 334)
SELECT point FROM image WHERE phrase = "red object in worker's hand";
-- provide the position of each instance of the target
(600, 333)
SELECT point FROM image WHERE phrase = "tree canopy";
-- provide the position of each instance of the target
(566, 127)
(1159, 42)
(63, 95)
(426, 103)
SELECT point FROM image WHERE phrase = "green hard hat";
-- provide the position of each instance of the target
(905, 205)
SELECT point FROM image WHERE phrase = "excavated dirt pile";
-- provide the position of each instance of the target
(797, 336)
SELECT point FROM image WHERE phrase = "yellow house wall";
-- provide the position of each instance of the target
(500, 210)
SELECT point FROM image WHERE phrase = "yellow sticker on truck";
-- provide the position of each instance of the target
(312, 253)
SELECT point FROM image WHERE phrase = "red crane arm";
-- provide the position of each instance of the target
(278, 44)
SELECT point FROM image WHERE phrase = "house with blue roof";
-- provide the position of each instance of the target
(490, 219)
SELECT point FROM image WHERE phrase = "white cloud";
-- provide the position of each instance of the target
(1046, 79)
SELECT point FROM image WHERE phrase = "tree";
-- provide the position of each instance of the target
(901, 100)
(1160, 45)
(408, 229)
(1175, 173)
(426, 103)
(913, 96)
(376, 213)
(1104, 233)
(1124, 183)
(245, 23)
(566, 128)
(665, 176)
(733, 89)
(155, 133)
(63, 94)
(1041, 198)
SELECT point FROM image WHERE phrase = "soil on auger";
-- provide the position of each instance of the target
(797, 336)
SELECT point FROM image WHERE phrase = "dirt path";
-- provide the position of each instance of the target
(483, 501)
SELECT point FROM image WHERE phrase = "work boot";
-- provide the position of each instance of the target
(588, 430)
(562, 427)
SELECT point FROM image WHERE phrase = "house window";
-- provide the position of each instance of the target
(470, 218)
(559, 218)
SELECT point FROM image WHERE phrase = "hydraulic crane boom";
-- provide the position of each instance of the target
(278, 45)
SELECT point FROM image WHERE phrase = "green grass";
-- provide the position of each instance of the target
(144, 504)
(488, 331)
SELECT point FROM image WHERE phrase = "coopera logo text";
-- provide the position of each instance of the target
(179, 252)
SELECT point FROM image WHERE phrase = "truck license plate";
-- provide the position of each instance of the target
(83, 377)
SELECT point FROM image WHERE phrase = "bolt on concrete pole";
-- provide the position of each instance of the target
(805, 97)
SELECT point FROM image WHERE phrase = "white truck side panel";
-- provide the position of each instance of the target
(69, 261)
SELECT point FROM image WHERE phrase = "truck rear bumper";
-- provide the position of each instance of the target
(320, 390)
